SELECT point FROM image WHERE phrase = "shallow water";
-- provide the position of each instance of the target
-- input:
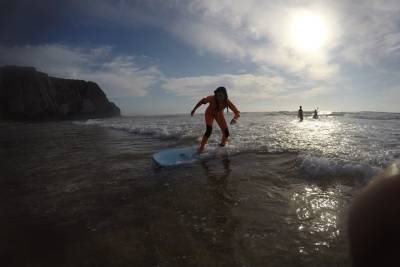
(88, 194)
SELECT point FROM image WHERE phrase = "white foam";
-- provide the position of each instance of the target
(340, 138)
(158, 131)
(318, 166)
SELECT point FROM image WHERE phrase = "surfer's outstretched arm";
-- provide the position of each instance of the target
(201, 102)
(235, 111)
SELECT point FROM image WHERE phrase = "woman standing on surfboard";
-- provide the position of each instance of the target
(215, 110)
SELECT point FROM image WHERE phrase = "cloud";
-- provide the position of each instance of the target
(360, 32)
(125, 78)
(244, 86)
(370, 32)
(252, 31)
(387, 99)
(118, 75)
(260, 32)
(307, 93)
(121, 75)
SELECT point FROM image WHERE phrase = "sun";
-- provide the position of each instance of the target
(308, 32)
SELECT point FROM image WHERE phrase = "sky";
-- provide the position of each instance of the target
(162, 56)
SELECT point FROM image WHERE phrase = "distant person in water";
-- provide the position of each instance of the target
(374, 221)
(300, 113)
(315, 116)
(215, 110)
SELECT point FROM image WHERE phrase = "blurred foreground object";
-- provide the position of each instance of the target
(374, 221)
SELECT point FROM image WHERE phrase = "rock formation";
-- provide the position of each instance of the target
(26, 94)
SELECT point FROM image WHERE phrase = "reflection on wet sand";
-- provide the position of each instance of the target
(217, 179)
(220, 203)
(193, 223)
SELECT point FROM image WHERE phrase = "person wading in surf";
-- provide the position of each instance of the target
(215, 110)
(300, 113)
(315, 116)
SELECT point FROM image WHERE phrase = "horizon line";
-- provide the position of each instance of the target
(243, 112)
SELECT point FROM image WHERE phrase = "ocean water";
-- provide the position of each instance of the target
(86, 193)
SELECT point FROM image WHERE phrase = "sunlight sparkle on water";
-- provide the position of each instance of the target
(317, 212)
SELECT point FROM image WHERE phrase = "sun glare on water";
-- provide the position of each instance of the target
(308, 32)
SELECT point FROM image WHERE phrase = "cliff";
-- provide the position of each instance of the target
(26, 94)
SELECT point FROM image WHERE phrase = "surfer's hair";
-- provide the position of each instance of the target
(222, 90)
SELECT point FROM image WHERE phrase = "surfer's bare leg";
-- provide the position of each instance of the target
(224, 128)
(202, 144)
(204, 140)
(225, 136)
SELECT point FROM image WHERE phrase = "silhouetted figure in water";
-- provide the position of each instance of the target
(315, 116)
(374, 221)
(300, 113)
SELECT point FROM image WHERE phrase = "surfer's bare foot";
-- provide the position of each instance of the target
(200, 150)
(221, 145)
